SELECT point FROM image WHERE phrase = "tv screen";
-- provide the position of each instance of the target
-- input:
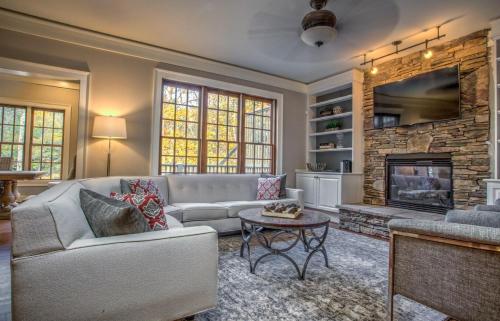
(427, 97)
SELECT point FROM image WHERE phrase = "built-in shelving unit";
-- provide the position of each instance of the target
(345, 92)
(323, 118)
(330, 150)
(495, 33)
(333, 132)
(331, 101)
(493, 185)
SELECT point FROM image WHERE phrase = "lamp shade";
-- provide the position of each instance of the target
(109, 127)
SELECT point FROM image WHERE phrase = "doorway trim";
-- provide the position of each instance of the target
(25, 68)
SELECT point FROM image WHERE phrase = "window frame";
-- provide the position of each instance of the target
(272, 130)
(200, 124)
(30, 105)
(160, 75)
(205, 140)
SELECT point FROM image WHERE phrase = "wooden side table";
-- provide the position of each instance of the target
(10, 194)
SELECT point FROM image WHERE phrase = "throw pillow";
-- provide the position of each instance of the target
(268, 188)
(142, 186)
(108, 217)
(282, 177)
(149, 205)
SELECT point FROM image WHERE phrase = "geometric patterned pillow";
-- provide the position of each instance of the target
(145, 186)
(268, 188)
(150, 207)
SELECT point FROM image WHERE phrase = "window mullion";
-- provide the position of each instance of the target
(28, 138)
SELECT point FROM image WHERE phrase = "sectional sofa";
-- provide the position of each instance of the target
(61, 271)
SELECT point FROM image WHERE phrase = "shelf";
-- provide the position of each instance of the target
(331, 101)
(343, 115)
(333, 132)
(330, 150)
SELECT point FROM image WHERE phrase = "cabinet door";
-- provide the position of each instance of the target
(328, 194)
(308, 184)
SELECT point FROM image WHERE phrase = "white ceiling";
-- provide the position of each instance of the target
(263, 35)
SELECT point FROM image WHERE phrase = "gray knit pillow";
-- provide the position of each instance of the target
(108, 217)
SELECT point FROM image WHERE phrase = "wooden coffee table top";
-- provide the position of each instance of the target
(308, 219)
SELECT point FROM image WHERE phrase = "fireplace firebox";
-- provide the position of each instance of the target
(420, 182)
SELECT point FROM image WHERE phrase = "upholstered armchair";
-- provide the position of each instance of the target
(452, 266)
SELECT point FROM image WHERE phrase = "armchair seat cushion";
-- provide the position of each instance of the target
(201, 211)
(234, 207)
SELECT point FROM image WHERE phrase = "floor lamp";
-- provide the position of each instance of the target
(109, 127)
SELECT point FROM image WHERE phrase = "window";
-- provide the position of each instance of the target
(34, 137)
(13, 127)
(225, 132)
(180, 132)
(47, 133)
(222, 126)
(258, 133)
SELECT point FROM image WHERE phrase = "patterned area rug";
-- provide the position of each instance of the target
(354, 287)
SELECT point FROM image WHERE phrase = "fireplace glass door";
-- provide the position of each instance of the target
(421, 185)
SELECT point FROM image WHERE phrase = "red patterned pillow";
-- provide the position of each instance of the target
(150, 207)
(145, 186)
(268, 188)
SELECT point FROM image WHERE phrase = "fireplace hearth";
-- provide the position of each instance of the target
(420, 181)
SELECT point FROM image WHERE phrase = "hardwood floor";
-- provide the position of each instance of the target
(5, 294)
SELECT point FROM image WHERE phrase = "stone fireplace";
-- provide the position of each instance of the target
(465, 141)
(419, 181)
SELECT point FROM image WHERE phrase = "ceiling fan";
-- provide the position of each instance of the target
(319, 25)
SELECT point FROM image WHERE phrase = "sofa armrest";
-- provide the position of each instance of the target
(480, 218)
(297, 194)
(149, 276)
(455, 231)
(489, 208)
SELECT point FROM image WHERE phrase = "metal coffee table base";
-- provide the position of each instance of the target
(313, 243)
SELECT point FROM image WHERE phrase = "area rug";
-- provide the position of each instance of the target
(354, 287)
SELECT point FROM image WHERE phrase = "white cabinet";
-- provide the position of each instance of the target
(327, 190)
(308, 184)
(328, 193)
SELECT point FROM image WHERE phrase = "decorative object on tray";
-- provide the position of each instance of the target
(334, 124)
(338, 110)
(340, 140)
(282, 210)
(316, 167)
(328, 145)
(326, 112)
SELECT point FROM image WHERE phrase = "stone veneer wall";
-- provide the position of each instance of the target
(466, 139)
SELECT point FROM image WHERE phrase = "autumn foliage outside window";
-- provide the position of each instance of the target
(207, 130)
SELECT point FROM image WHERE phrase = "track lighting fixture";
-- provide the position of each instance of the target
(373, 69)
(427, 54)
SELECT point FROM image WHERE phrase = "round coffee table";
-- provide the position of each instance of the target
(253, 223)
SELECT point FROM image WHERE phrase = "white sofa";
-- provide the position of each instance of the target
(60, 271)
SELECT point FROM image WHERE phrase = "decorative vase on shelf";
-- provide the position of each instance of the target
(338, 110)
(340, 140)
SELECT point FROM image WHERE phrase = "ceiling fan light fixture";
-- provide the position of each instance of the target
(318, 36)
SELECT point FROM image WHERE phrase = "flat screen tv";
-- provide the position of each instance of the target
(427, 97)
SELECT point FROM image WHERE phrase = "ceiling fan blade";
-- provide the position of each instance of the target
(266, 31)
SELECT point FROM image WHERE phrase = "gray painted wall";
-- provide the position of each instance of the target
(123, 85)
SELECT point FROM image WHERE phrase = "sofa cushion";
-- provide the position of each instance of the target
(150, 207)
(234, 207)
(70, 220)
(201, 211)
(106, 185)
(209, 188)
(173, 222)
(174, 212)
(109, 217)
